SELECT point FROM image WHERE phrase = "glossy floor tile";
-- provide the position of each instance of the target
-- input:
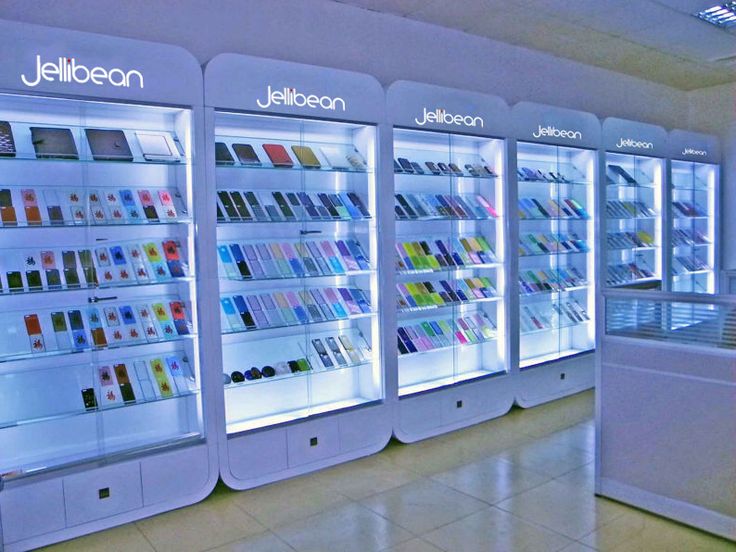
(523, 482)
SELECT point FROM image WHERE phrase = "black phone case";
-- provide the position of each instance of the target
(223, 155)
(108, 145)
(90, 401)
(53, 143)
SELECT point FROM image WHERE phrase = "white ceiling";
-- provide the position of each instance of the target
(658, 40)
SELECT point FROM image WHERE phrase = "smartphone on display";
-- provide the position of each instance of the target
(406, 165)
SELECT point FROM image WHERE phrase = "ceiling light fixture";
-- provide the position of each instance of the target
(723, 15)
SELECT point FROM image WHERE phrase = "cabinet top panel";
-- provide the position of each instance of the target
(430, 107)
(693, 146)
(46, 60)
(624, 136)
(533, 122)
(260, 85)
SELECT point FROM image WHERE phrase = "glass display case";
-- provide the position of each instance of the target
(449, 258)
(556, 263)
(633, 220)
(693, 234)
(296, 243)
(99, 352)
(686, 322)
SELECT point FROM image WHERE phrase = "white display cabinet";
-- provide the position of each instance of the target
(100, 368)
(554, 180)
(448, 257)
(633, 181)
(693, 209)
(666, 433)
(293, 190)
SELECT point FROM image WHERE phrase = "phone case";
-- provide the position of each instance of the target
(246, 154)
(240, 206)
(167, 202)
(7, 211)
(305, 155)
(53, 143)
(278, 155)
(108, 145)
(7, 143)
(149, 208)
(160, 376)
(223, 155)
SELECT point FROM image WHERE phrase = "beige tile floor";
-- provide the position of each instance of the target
(523, 482)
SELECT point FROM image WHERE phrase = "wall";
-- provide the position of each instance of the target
(714, 110)
(389, 47)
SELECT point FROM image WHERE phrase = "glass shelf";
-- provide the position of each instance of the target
(107, 408)
(446, 175)
(524, 255)
(90, 288)
(406, 310)
(64, 352)
(638, 185)
(549, 183)
(135, 162)
(451, 219)
(456, 345)
(481, 266)
(295, 221)
(300, 324)
(303, 373)
(541, 359)
(558, 328)
(321, 170)
(142, 223)
(546, 294)
(347, 274)
(291, 415)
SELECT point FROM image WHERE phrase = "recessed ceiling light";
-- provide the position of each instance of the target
(723, 15)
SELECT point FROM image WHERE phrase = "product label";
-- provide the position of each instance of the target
(67, 69)
(693, 151)
(555, 132)
(439, 115)
(631, 143)
(291, 97)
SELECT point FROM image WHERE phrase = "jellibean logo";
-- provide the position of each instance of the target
(631, 143)
(439, 115)
(67, 69)
(692, 151)
(555, 132)
(290, 96)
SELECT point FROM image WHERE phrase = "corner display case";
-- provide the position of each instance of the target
(555, 176)
(633, 181)
(293, 167)
(449, 255)
(664, 356)
(693, 212)
(99, 346)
